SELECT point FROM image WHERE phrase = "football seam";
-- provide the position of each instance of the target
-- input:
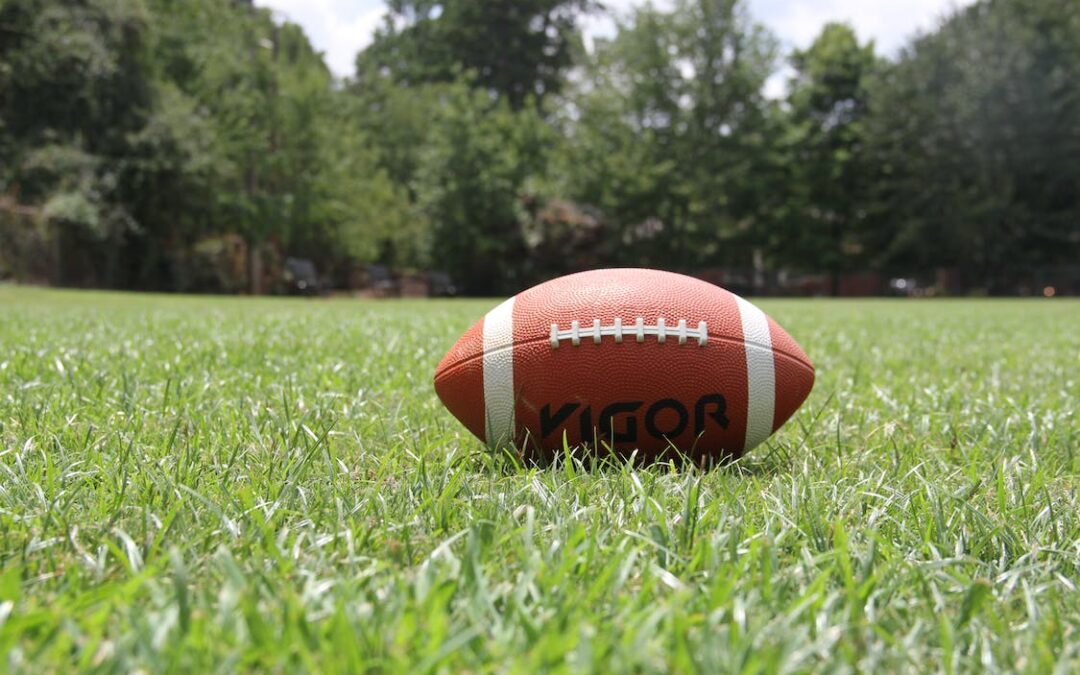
(638, 331)
(719, 338)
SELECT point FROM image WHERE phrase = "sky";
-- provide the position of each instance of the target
(341, 28)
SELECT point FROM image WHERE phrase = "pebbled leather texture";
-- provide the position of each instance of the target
(650, 396)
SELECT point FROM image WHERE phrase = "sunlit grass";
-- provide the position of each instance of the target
(217, 483)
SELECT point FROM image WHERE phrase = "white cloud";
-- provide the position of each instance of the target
(889, 22)
(338, 28)
(341, 28)
(603, 24)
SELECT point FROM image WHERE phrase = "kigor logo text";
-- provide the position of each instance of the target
(622, 419)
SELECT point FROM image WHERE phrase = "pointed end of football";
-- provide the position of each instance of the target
(794, 375)
(459, 380)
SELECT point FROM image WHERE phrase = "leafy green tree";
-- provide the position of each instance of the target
(360, 209)
(137, 127)
(396, 121)
(975, 130)
(669, 130)
(73, 88)
(823, 223)
(132, 130)
(726, 148)
(269, 101)
(471, 183)
(409, 49)
(517, 49)
(608, 160)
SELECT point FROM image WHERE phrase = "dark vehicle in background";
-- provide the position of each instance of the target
(301, 277)
(440, 285)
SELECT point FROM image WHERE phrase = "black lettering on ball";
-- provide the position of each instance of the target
(588, 434)
(661, 405)
(549, 422)
(718, 413)
(607, 415)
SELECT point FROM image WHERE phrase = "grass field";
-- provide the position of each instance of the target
(218, 484)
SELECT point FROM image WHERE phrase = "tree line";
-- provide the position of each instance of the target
(142, 138)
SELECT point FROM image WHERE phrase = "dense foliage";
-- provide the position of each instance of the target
(159, 144)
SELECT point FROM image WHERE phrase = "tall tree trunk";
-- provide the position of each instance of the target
(255, 268)
(759, 270)
(56, 274)
(112, 262)
(838, 250)
(254, 260)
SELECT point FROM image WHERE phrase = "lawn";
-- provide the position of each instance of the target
(197, 484)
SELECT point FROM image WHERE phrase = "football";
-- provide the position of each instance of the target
(625, 360)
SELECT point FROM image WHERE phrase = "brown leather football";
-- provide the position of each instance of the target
(625, 360)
